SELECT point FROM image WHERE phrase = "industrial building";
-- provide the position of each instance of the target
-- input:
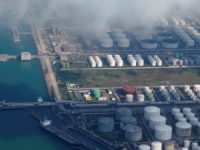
(26, 56)
(140, 95)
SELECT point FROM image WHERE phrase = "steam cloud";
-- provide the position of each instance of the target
(97, 15)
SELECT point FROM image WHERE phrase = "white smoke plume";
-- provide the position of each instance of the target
(98, 15)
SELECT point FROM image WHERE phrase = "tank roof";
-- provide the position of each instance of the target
(163, 128)
(183, 125)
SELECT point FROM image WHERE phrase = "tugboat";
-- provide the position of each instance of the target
(40, 99)
(45, 122)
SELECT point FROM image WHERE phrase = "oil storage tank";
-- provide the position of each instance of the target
(130, 90)
(164, 35)
(149, 44)
(169, 145)
(156, 120)
(133, 133)
(105, 124)
(198, 128)
(127, 120)
(170, 43)
(96, 93)
(123, 42)
(106, 43)
(123, 112)
(156, 145)
(129, 98)
(151, 111)
(163, 132)
(183, 129)
(144, 147)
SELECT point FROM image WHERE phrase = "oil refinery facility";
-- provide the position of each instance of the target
(150, 117)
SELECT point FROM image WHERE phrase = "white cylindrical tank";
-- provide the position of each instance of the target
(111, 60)
(189, 115)
(163, 132)
(92, 62)
(151, 111)
(156, 120)
(175, 110)
(149, 44)
(178, 115)
(186, 143)
(129, 98)
(170, 44)
(181, 119)
(156, 145)
(106, 43)
(194, 145)
(151, 60)
(123, 42)
(98, 61)
(144, 147)
(194, 121)
(140, 97)
(183, 129)
(140, 62)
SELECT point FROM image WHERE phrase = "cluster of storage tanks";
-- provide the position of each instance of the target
(95, 61)
(128, 125)
(121, 38)
(116, 60)
(157, 123)
(154, 60)
(157, 145)
(193, 94)
(193, 33)
(170, 145)
(181, 62)
(149, 93)
(166, 39)
(190, 145)
(174, 93)
(183, 35)
(185, 122)
(130, 97)
(164, 92)
(134, 61)
(175, 20)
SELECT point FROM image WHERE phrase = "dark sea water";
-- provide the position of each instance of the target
(22, 82)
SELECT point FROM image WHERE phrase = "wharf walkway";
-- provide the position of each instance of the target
(26, 105)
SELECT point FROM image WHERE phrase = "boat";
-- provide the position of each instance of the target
(63, 135)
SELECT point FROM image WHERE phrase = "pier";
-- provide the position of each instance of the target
(16, 35)
(74, 135)
(27, 105)
(45, 62)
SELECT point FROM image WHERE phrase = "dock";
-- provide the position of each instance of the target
(45, 62)
(74, 136)
(16, 34)
(6, 57)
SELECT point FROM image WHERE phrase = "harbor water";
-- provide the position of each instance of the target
(22, 82)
